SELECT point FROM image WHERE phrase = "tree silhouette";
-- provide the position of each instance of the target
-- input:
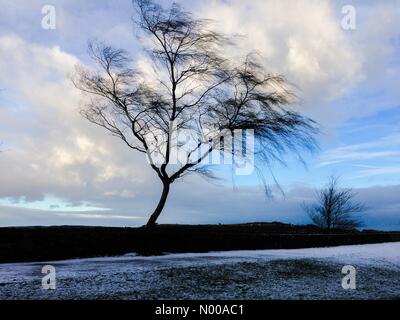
(335, 208)
(195, 88)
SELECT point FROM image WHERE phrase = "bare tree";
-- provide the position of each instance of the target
(194, 88)
(336, 208)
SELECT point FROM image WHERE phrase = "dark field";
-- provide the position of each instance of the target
(57, 243)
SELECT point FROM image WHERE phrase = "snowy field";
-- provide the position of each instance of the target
(267, 274)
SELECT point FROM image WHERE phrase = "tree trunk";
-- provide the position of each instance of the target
(160, 206)
(328, 221)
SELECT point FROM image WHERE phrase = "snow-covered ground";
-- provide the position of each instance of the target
(265, 274)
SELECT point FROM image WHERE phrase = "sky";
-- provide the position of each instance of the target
(57, 169)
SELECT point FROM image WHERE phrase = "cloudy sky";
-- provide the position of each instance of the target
(56, 168)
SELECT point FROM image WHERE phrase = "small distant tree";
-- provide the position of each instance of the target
(335, 208)
(197, 88)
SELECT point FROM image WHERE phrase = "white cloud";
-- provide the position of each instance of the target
(51, 148)
(370, 172)
(382, 148)
(49, 204)
(302, 40)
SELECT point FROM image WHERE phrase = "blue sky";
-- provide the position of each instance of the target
(58, 169)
